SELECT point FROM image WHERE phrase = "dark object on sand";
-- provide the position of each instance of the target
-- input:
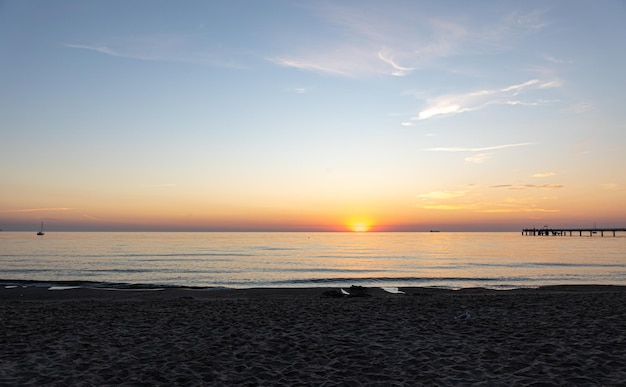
(354, 291)
(358, 291)
(332, 294)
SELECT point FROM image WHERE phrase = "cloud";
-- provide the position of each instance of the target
(579, 108)
(544, 174)
(398, 70)
(461, 103)
(445, 207)
(517, 88)
(446, 200)
(489, 148)
(379, 41)
(40, 209)
(610, 186)
(103, 49)
(407, 123)
(551, 84)
(296, 90)
(553, 59)
(319, 66)
(161, 48)
(131, 49)
(520, 24)
(528, 186)
(545, 186)
(443, 194)
(472, 201)
(398, 40)
(512, 205)
(442, 106)
(478, 158)
(534, 103)
(505, 210)
(349, 60)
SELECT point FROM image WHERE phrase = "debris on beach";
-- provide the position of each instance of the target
(354, 291)
(464, 316)
(358, 291)
(393, 290)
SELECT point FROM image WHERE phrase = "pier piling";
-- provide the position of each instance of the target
(564, 231)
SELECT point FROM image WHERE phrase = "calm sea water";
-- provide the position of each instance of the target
(243, 260)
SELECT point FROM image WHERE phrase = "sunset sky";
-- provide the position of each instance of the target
(312, 115)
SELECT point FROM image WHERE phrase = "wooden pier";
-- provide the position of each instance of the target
(564, 231)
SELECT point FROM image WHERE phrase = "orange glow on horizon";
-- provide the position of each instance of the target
(359, 225)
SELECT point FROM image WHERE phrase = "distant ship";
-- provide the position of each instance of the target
(434, 231)
(41, 230)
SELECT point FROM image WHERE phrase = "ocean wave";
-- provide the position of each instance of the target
(92, 285)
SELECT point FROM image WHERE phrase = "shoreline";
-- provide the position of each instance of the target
(571, 334)
(69, 291)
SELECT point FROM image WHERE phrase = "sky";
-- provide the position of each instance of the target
(293, 115)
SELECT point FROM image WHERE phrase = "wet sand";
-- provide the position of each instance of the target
(563, 335)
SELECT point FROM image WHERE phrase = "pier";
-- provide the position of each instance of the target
(564, 231)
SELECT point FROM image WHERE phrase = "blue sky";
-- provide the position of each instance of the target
(307, 115)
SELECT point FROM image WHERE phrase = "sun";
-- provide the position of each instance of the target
(360, 225)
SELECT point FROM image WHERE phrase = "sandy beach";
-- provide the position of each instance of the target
(564, 335)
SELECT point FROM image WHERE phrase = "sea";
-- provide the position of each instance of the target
(451, 260)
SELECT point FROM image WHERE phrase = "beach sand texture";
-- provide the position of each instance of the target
(555, 335)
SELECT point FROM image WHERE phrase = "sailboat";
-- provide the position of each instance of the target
(41, 230)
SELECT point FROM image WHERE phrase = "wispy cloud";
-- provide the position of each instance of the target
(317, 66)
(483, 149)
(397, 69)
(346, 61)
(461, 103)
(516, 89)
(443, 194)
(511, 209)
(544, 174)
(478, 158)
(398, 41)
(40, 209)
(579, 108)
(528, 186)
(553, 59)
(610, 186)
(517, 24)
(513, 205)
(103, 49)
(445, 207)
(133, 49)
(485, 207)
(449, 200)
(472, 201)
(161, 48)
(484, 154)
